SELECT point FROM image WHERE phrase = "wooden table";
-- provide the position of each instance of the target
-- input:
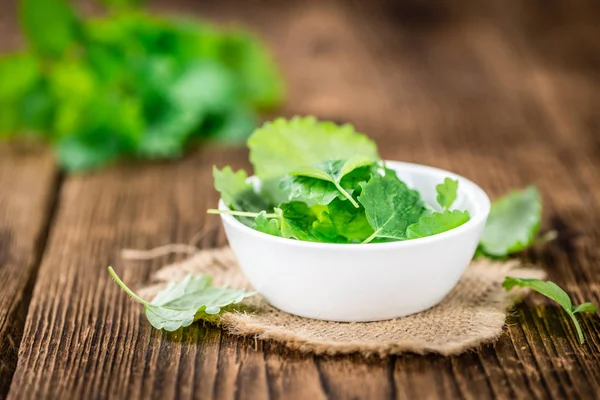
(506, 93)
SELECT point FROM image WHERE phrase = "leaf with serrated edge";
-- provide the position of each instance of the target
(332, 171)
(282, 146)
(237, 193)
(266, 225)
(390, 206)
(174, 291)
(295, 220)
(446, 193)
(231, 184)
(437, 223)
(180, 304)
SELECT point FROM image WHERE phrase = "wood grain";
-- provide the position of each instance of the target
(503, 92)
(27, 184)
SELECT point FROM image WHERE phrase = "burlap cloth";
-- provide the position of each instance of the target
(472, 314)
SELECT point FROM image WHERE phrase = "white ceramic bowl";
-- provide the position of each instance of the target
(364, 282)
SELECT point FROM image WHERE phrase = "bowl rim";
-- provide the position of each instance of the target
(475, 192)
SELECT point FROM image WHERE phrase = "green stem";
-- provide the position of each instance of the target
(239, 213)
(346, 194)
(577, 327)
(123, 286)
(373, 236)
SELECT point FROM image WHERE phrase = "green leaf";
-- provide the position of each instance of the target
(237, 193)
(231, 184)
(50, 25)
(282, 146)
(332, 171)
(22, 102)
(349, 221)
(296, 220)
(175, 291)
(100, 131)
(390, 206)
(267, 225)
(122, 4)
(547, 288)
(446, 193)
(324, 230)
(203, 84)
(585, 307)
(513, 223)
(81, 106)
(352, 181)
(36, 110)
(180, 304)
(18, 74)
(553, 292)
(436, 223)
(232, 126)
(191, 40)
(79, 153)
(72, 82)
(308, 190)
(258, 75)
(321, 192)
(201, 89)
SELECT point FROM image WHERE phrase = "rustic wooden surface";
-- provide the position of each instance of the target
(506, 93)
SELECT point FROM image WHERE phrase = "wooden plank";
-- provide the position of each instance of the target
(430, 377)
(80, 324)
(354, 377)
(28, 181)
(293, 375)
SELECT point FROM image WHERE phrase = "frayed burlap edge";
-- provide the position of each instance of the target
(472, 314)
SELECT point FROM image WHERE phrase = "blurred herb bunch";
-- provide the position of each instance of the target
(130, 84)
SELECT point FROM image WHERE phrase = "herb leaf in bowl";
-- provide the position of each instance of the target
(320, 182)
(328, 179)
(447, 193)
(237, 193)
(390, 206)
(349, 221)
(263, 223)
(282, 146)
(231, 184)
(309, 190)
(435, 223)
(296, 220)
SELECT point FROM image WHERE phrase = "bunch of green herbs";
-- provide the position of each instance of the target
(130, 84)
